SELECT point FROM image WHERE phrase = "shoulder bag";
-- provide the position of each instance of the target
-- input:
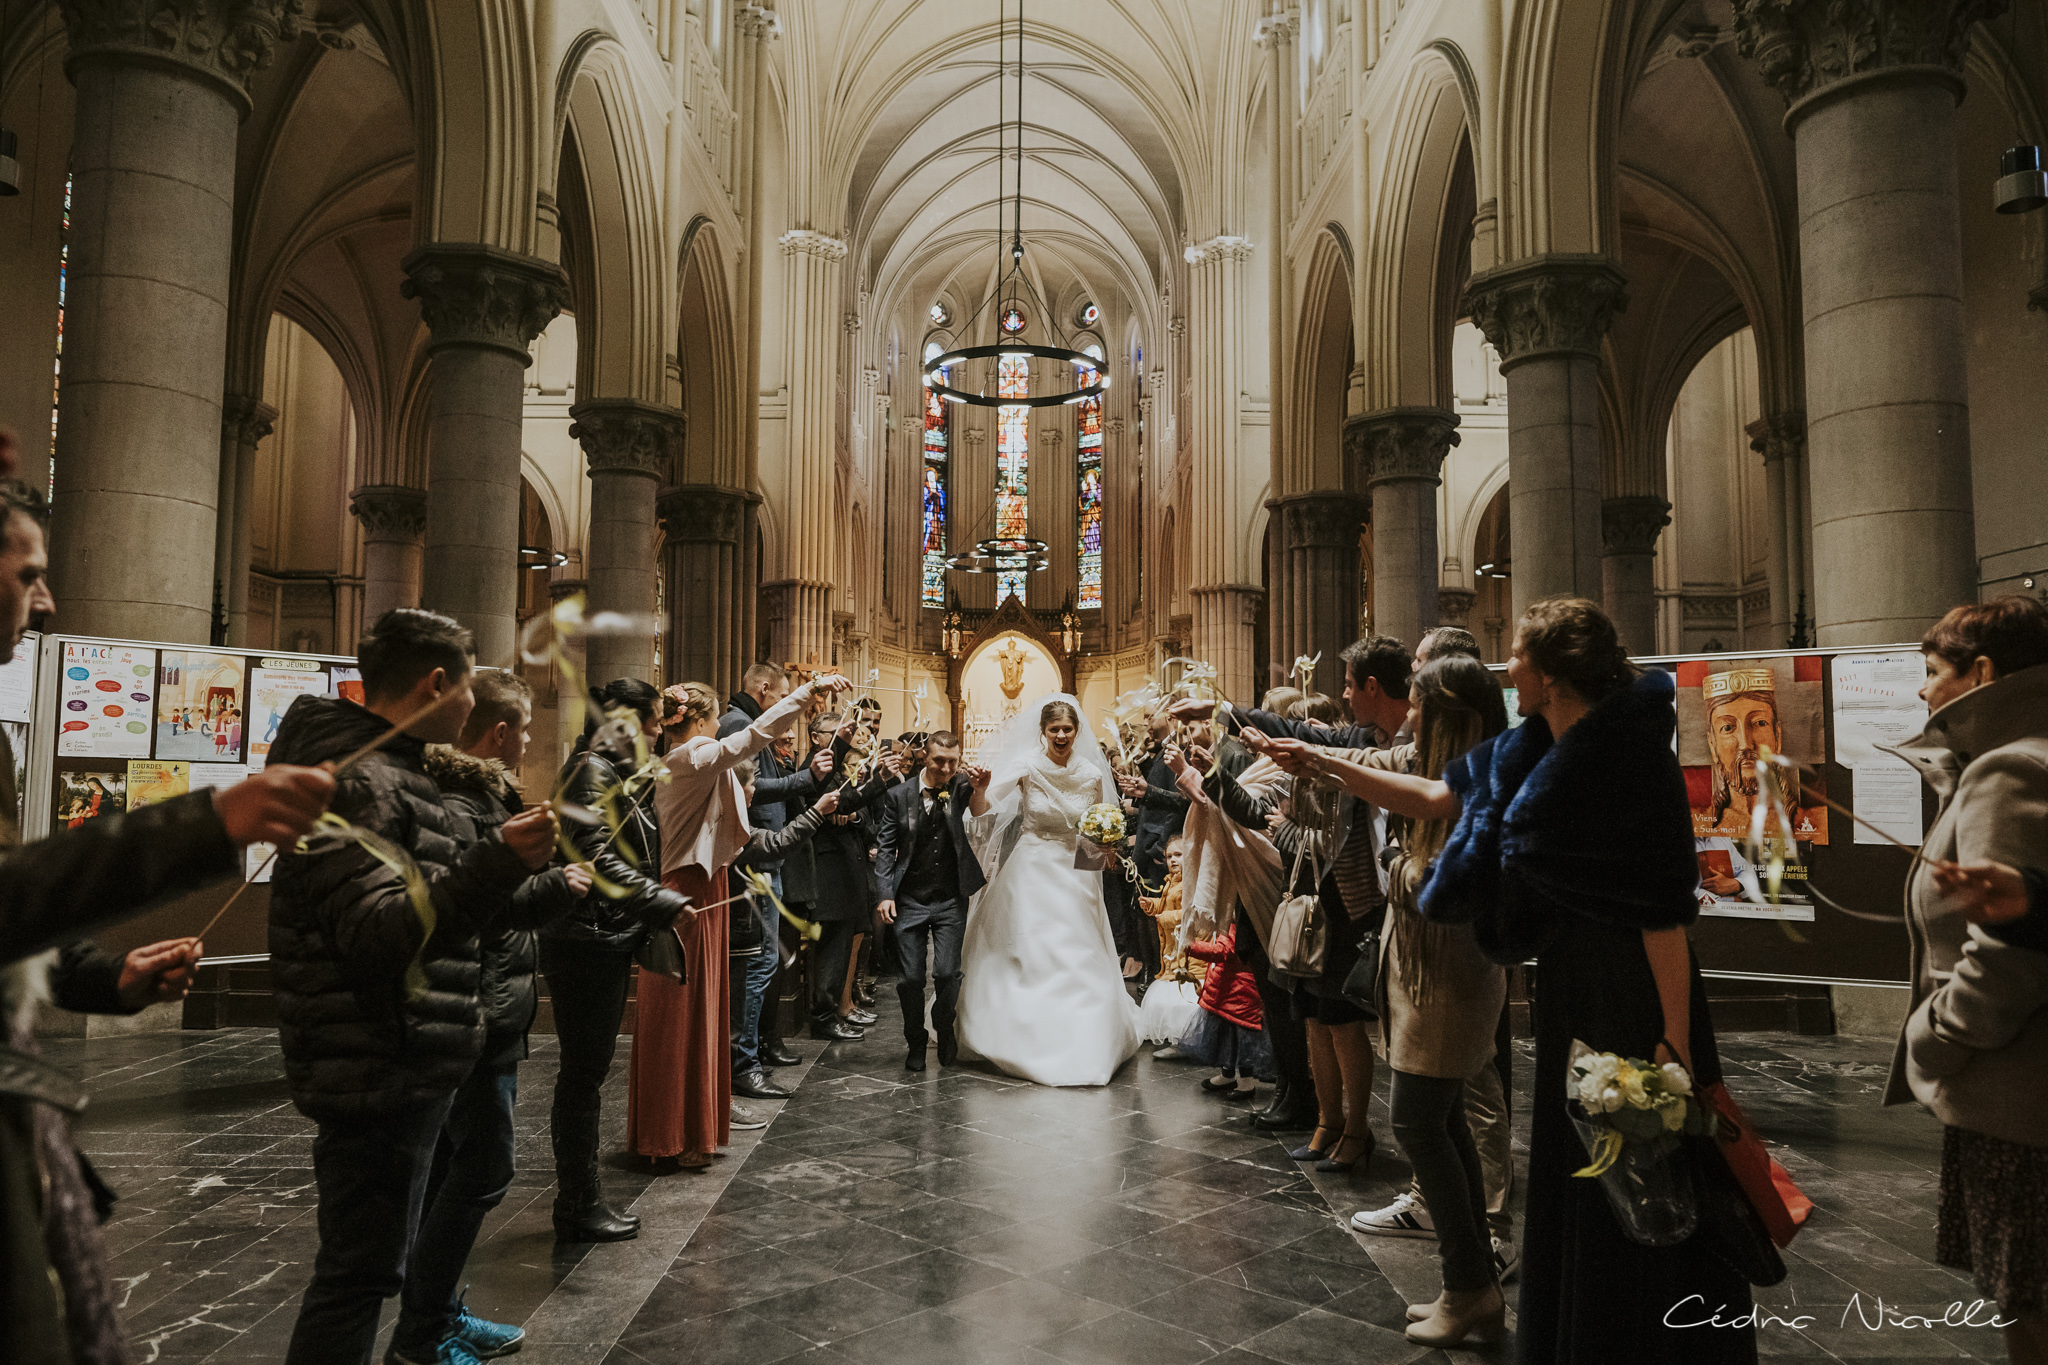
(1300, 932)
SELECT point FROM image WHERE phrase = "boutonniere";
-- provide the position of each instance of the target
(941, 795)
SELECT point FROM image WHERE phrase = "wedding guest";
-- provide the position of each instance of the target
(679, 1104)
(1975, 1045)
(587, 955)
(1573, 844)
(1227, 1033)
(832, 875)
(1171, 1001)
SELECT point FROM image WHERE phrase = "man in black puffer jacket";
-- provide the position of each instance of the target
(473, 1160)
(376, 1001)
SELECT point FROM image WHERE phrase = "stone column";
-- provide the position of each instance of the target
(483, 307)
(1545, 316)
(703, 528)
(1319, 579)
(244, 423)
(1401, 453)
(1781, 439)
(630, 447)
(393, 517)
(1871, 91)
(162, 88)
(1629, 529)
(802, 617)
(1220, 569)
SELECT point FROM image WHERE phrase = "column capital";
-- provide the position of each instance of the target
(390, 511)
(626, 436)
(809, 243)
(1401, 443)
(1546, 304)
(1223, 247)
(1454, 606)
(1329, 518)
(755, 22)
(475, 295)
(220, 43)
(562, 589)
(1778, 435)
(246, 419)
(1276, 29)
(1807, 48)
(1629, 526)
(703, 513)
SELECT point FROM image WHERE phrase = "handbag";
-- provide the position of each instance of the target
(661, 952)
(1362, 983)
(1780, 1205)
(1300, 933)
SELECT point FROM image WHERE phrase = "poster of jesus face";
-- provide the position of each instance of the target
(1730, 713)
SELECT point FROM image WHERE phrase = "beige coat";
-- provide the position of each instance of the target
(1975, 1047)
(1442, 996)
(701, 808)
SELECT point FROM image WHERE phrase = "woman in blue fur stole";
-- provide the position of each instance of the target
(1573, 846)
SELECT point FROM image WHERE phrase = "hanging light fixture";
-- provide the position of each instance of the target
(1013, 289)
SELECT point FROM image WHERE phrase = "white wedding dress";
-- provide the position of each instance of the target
(1043, 993)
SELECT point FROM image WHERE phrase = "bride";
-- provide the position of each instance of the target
(1043, 996)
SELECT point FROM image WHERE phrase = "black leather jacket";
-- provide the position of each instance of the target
(631, 861)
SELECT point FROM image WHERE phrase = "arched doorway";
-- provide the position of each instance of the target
(998, 679)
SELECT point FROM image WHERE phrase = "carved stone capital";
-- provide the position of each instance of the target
(1220, 248)
(1401, 444)
(1629, 526)
(1328, 520)
(1546, 305)
(1808, 47)
(562, 589)
(626, 436)
(755, 22)
(1454, 606)
(221, 42)
(390, 511)
(1277, 30)
(1778, 435)
(702, 514)
(246, 420)
(808, 243)
(473, 295)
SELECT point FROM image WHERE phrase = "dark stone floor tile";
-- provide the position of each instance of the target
(1116, 1276)
(1027, 1312)
(1219, 1311)
(1106, 1223)
(705, 1289)
(1288, 1274)
(942, 1222)
(834, 1310)
(1174, 1198)
(1263, 1221)
(735, 1337)
(1201, 1250)
(1321, 1338)
(1027, 1248)
(927, 1338)
(777, 1221)
(1127, 1338)
(934, 1278)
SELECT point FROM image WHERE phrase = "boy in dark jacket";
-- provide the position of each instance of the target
(376, 999)
(473, 1157)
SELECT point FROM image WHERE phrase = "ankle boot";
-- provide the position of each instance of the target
(1463, 1315)
(581, 1215)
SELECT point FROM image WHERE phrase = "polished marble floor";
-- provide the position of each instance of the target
(956, 1217)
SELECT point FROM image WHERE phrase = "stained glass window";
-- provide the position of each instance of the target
(1012, 319)
(937, 446)
(1088, 508)
(1013, 466)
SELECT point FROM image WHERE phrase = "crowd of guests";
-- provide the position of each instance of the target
(1441, 847)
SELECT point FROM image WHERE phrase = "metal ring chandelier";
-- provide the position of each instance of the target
(935, 375)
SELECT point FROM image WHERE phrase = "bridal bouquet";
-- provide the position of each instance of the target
(1102, 830)
(1630, 1114)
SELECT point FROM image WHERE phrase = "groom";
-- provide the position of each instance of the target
(928, 873)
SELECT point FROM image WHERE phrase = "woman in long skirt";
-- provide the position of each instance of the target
(680, 1104)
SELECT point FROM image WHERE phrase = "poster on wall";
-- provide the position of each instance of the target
(85, 796)
(199, 706)
(105, 693)
(151, 780)
(1877, 703)
(348, 684)
(18, 683)
(17, 744)
(273, 687)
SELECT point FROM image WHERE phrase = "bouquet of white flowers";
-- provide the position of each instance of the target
(1102, 830)
(1630, 1114)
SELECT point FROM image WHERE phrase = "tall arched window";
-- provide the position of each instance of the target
(1088, 509)
(937, 447)
(1013, 467)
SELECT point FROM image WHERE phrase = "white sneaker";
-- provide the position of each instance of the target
(744, 1119)
(1169, 1053)
(1407, 1216)
(1506, 1260)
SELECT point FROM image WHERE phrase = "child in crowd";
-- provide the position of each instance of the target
(1171, 1002)
(1227, 1033)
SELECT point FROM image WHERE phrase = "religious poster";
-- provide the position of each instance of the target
(151, 780)
(18, 683)
(347, 684)
(1730, 710)
(1877, 706)
(199, 706)
(104, 696)
(272, 690)
(88, 796)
